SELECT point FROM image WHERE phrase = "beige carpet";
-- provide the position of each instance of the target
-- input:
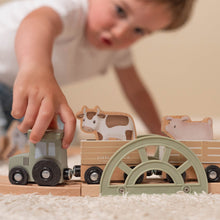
(166, 207)
(151, 207)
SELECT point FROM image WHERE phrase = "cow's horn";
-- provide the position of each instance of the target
(79, 116)
(84, 110)
(98, 110)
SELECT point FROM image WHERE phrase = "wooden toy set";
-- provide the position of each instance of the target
(117, 162)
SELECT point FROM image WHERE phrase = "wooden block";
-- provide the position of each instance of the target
(211, 151)
(109, 144)
(206, 151)
(99, 152)
(214, 188)
(196, 147)
(176, 157)
(71, 188)
(92, 190)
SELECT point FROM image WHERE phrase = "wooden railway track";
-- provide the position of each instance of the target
(70, 188)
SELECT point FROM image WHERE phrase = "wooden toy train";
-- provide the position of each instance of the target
(123, 166)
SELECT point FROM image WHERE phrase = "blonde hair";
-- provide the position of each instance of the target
(181, 11)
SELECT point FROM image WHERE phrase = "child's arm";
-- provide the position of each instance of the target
(36, 96)
(139, 98)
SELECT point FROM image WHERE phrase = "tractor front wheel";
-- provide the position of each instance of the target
(18, 176)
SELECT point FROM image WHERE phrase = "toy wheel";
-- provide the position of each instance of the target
(93, 175)
(18, 176)
(140, 178)
(157, 163)
(213, 173)
(46, 173)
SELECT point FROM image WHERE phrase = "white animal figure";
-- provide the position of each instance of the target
(182, 128)
(107, 125)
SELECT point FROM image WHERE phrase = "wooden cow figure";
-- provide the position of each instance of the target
(107, 125)
(182, 128)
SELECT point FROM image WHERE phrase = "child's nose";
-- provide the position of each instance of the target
(120, 31)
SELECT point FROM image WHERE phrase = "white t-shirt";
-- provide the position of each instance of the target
(73, 58)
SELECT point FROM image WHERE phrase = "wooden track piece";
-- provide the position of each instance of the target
(92, 190)
(214, 188)
(72, 188)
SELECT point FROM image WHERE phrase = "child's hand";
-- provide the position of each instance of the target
(38, 98)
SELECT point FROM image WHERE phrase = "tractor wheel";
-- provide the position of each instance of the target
(18, 176)
(46, 173)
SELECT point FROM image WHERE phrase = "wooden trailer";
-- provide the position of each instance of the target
(208, 153)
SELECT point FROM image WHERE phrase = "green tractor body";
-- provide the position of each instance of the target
(45, 164)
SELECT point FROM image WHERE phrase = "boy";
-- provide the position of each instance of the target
(59, 41)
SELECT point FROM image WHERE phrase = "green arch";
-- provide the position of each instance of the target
(153, 165)
(146, 164)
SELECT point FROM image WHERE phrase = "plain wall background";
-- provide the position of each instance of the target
(181, 69)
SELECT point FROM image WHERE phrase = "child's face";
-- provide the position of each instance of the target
(116, 24)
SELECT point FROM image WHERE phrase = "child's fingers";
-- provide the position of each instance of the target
(53, 123)
(69, 121)
(43, 120)
(19, 104)
(30, 114)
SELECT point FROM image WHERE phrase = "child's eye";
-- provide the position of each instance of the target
(139, 31)
(120, 12)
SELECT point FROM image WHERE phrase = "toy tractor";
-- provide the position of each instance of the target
(45, 164)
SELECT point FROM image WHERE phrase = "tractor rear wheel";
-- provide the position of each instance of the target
(46, 173)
